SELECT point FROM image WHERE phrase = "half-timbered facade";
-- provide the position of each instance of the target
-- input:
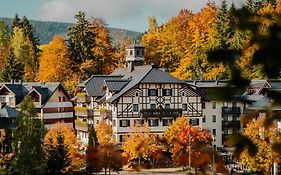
(51, 100)
(135, 94)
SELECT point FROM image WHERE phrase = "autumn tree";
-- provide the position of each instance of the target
(93, 156)
(58, 157)
(110, 157)
(54, 64)
(24, 53)
(29, 154)
(121, 52)
(263, 138)
(81, 41)
(70, 141)
(106, 59)
(13, 69)
(140, 144)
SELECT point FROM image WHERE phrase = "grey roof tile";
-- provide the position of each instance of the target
(8, 112)
(116, 85)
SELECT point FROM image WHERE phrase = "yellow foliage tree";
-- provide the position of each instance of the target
(54, 64)
(104, 133)
(70, 139)
(139, 144)
(263, 138)
(24, 53)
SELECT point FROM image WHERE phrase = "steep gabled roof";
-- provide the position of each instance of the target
(116, 85)
(156, 75)
(94, 84)
(17, 89)
(8, 112)
(144, 74)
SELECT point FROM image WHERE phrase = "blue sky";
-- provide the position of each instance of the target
(127, 14)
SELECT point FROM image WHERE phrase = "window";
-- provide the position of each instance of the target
(167, 92)
(121, 138)
(167, 106)
(214, 132)
(225, 131)
(153, 122)
(184, 107)
(152, 92)
(138, 52)
(131, 52)
(152, 106)
(114, 123)
(3, 99)
(139, 121)
(234, 104)
(214, 118)
(183, 94)
(142, 52)
(194, 121)
(63, 98)
(124, 123)
(137, 94)
(214, 105)
(59, 99)
(167, 122)
(135, 107)
(203, 105)
(204, 119)
(98, 121)
(234, 117)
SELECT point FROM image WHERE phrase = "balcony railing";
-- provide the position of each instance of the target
(231, 124)
(83, 111)
(146, 113)
(231, 110)
(82, 97)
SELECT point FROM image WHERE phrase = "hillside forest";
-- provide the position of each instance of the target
(180, 46)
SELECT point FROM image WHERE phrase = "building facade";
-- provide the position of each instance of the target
(137, 93)
(51, 100)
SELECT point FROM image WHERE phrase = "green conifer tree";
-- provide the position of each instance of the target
(81, 41)
(29, 154)
(13, 69)
(16, 22)
(58, 157)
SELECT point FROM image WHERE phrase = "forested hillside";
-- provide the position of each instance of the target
(46, 31)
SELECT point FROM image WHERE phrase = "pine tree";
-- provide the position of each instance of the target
(16, 22)
(4, 43)
(13, 69)
(81, 41)
(58, 157)
(91, 166)
(29, 154)
(222, 26)
(253, 5)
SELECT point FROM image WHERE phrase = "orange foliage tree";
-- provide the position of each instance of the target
(70, 139)
(110, 158)
(54, 64)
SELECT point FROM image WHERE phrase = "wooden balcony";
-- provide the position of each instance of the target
(81, 125)
(83, 112)
(147, 113)
(82, 98)
(231, 110)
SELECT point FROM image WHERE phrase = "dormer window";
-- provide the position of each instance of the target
(142, 52)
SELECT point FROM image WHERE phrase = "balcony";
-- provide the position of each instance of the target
(105, 114)
(83, 111)
(231, 124)
(147, 113)
(231, 110)
(82, 98)
(81, 125)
